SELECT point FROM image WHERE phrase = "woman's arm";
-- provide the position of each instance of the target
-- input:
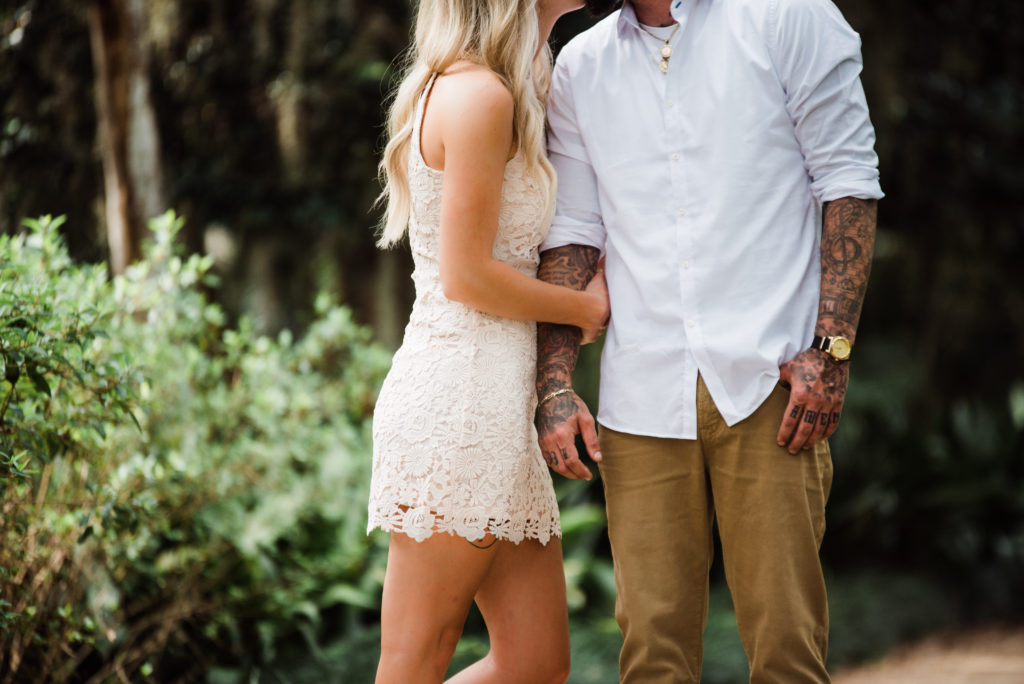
(471, 113)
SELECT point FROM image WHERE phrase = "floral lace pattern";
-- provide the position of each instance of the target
(454, 446)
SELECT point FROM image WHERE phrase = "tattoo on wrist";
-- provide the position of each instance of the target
(556, 411)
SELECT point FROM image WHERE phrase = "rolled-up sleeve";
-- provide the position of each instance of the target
(818, 57)
(577, 219)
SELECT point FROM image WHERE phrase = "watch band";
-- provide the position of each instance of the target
(821, 343)
(836, 346)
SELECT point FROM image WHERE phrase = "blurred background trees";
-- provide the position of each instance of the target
(259, 122)
(257, 119)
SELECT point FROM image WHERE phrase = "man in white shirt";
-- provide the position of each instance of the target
(720, 155)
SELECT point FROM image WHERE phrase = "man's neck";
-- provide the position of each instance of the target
(653, 12)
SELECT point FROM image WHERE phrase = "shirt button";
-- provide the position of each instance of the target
(691, 323)
(682, 212)
(686, 264)
(675, 157)
(670, 103)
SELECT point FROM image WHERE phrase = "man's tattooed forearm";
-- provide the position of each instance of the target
(847, 243)
(558, 345)
(841, 307)
(570, 266)
(557, 349)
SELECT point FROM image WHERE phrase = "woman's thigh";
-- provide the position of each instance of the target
(428, 588)
(522, 600)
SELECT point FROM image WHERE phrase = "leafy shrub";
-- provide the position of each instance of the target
(59, 395)
(225, 517)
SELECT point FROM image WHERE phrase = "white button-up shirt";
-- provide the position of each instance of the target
(704, 188)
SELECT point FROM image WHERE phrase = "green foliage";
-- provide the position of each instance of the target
(60, 394)
(54, 384)
(228, 517)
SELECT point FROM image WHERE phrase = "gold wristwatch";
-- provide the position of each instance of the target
(836, 346)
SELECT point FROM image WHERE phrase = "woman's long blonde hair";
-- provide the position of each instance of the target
(500, 35)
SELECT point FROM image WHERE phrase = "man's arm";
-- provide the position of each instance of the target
(818, 382)
(818, 58)
(561, 417)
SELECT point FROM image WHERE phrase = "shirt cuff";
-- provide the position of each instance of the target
(568, 232)
(858, 187)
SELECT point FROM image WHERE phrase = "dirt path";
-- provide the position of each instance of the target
(990, 656)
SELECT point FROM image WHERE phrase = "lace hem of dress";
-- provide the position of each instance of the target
(422, 522)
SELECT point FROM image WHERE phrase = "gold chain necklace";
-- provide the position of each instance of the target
(666, 49)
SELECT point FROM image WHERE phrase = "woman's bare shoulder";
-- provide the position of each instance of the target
(473, 92)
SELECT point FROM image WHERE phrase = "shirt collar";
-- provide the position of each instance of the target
(627, 15)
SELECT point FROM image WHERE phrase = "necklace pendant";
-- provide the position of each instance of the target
(666, 51)
(663, 65)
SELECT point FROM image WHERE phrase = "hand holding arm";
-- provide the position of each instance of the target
(473, 111)
(572, 260)
(562, 417)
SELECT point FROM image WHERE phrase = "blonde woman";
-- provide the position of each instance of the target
(458, 477)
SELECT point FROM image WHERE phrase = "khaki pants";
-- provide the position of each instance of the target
(662, 497)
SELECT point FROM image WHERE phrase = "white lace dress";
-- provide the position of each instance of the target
(454, 446)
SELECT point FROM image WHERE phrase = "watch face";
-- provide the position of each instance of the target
(840, 348)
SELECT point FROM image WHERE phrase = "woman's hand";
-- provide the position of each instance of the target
(598, 287)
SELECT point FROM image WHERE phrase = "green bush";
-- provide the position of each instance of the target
(60, 394)
(224, 517)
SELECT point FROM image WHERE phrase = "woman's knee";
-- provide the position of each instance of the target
(447, 641)
(421, 651)
(557, 671)
(536, 667)
(549, 673)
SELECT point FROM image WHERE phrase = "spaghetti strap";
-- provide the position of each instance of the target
(417, 122)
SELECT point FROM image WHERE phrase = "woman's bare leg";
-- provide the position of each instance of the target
(428, 589)
(522, 600)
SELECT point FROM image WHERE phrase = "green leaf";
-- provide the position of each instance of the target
(36, 353)
(12, 371)
(38, 380)
(351, 595)
(131, 414)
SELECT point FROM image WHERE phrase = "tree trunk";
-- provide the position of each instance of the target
(129, 140)
(388, 313)
(291, 128)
